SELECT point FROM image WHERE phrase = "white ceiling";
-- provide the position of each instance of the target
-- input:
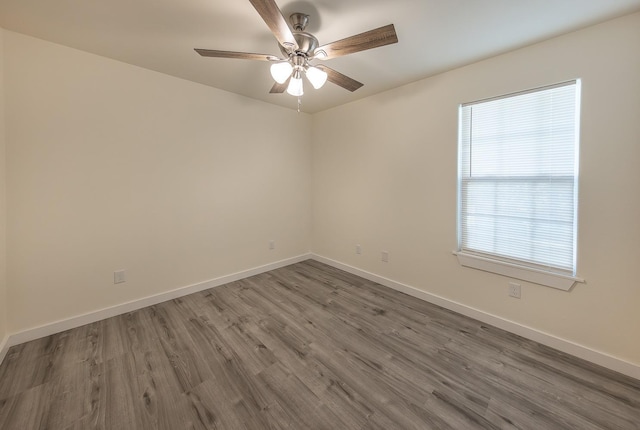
(434, 36)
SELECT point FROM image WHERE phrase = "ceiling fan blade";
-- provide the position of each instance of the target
(360, 42)
(339, 79)
(238, 55)
(272, 16)
(280, 88)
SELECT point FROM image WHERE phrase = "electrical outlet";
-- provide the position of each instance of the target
(358, 249)
(272, 244)
(514, 290)
(384, 256)
(118, 277)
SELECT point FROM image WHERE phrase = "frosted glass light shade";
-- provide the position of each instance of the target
(281, 71)
(295, 86)
(317, 77)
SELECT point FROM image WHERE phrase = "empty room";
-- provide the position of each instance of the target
(283, 214)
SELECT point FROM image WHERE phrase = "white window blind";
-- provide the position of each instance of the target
(518, 178)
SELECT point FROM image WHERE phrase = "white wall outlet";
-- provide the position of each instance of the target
(514, 290)
(384, 256)
(358, 249)
(272, 244)
(118, 277)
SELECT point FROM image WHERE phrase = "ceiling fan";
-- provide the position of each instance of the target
(299, 48)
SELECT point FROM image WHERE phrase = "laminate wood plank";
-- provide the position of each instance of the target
(579, 372)
(344, 401)
(505, 379)
(447, 404)
(158, 404)
(184, 356)
(303, 408)
(254, 354)
(137, 330)
(121, 395)
(51, 356)
(370, 388)
(594, 405)
(18, 378)
(232, 377)
(368, 337)
(462, 331)
(27, 409)
(304, 346)
(379, 303)
(217, 307)
(235, 356)
(215, 409)
(368, 327)
(68, 394)
(353, 408)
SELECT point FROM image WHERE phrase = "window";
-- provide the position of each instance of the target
(518, 183)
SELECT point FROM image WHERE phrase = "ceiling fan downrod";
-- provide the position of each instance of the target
(298, 21)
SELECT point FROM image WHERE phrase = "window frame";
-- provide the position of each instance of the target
(514, 268)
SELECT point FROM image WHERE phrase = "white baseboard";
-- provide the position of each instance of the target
(4, 348)
(90, 317)
(577, 350)
(560, 344)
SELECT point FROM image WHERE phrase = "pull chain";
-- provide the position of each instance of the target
(299, 103)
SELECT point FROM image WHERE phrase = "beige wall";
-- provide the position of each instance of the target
(112, 167)
(384, 176)
(3, 211)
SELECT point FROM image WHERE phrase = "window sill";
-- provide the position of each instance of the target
(541, 277)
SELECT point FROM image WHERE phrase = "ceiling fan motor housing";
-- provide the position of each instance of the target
(307, 43)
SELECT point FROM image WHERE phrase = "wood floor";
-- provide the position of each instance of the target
(304, 347)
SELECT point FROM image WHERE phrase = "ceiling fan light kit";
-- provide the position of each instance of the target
(299, 48)
(280, 72)
(316, 76)
(292, 70)
(295, 87)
